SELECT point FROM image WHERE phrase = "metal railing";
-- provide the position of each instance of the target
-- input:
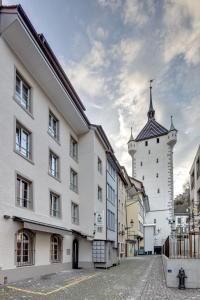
(24, 202)
(184, 245)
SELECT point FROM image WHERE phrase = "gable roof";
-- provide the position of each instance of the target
(151, 129)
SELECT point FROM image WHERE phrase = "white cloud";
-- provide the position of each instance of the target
(137, 11)
(86, 75)
(182, 21)
(112, 4)
(126, 50)
(101, 33)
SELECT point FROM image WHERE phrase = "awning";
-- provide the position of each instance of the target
(83, 235)
(42, 227)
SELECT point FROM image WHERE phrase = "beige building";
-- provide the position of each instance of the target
(136, 207)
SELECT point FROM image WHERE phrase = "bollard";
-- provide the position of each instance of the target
(181, 276)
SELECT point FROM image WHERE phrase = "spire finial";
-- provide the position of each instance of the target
(172, 124)
(131, 137)
(151, 112)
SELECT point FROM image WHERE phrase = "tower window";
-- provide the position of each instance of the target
(158, 191)
(157, 160)
(154, 221)
(142, 177)
(149, 151)
(146, 143)
(157, 175)
(158, 140)
(141, 164)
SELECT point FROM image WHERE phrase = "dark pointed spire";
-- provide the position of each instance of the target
(151, 112)
(131, 137)
(172, 125)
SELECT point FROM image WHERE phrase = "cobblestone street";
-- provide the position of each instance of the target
(137, 278)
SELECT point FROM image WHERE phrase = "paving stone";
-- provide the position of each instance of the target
(140, 278)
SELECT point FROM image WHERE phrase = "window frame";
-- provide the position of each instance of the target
(18, 97)
(19, 251)
(99, 165)
(75, 218)
(99, 193)
(73, 146)
(18, 146)
(59, 245)
(56, 173)
(73, 183)
(20, 178)
(54, 134)
(52, 197)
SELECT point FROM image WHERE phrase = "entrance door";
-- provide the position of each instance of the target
(75, 254)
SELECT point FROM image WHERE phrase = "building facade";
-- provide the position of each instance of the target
(137, 206)
(152, 163)
(195, 193)
(55, 167)
(122, 198)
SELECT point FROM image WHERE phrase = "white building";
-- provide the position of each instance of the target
(53, 162)
(122, 198)
(152, 163)
(195, 193)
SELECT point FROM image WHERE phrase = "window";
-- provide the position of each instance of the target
(142, 177)
(55, 210)
(154, 221)
(149, 151)
(140, 227)
(56, 248)
(158, 140)
(99, 163)
(157, 160)
(157, 175)
(100, 197)
(179, 221)
(24, 193)
(111, 170)
(110, 220)
(53, 126)
(23, 141)
(24, 248)
(73, 180)
(146, 143)
(99, 229)
(158, 191)
(198, 168)
(141, 164)
(73, 148)
(192, 180)
(75, 213)
(23, 92)
(53, 164)
(110, 194)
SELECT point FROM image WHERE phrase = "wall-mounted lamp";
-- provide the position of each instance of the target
(6, 217)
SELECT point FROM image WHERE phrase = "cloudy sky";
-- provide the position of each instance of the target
(111, 48)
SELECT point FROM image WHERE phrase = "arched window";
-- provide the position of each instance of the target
(24, 248)
(56, 248)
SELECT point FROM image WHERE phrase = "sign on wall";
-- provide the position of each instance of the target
(99, 219)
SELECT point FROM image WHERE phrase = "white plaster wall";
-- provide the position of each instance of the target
(159, 202)
(149, 239)
(37, 171)
(191, 267)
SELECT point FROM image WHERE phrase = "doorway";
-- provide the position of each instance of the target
(75, 251)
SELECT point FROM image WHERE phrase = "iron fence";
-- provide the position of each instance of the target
(184, 245)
